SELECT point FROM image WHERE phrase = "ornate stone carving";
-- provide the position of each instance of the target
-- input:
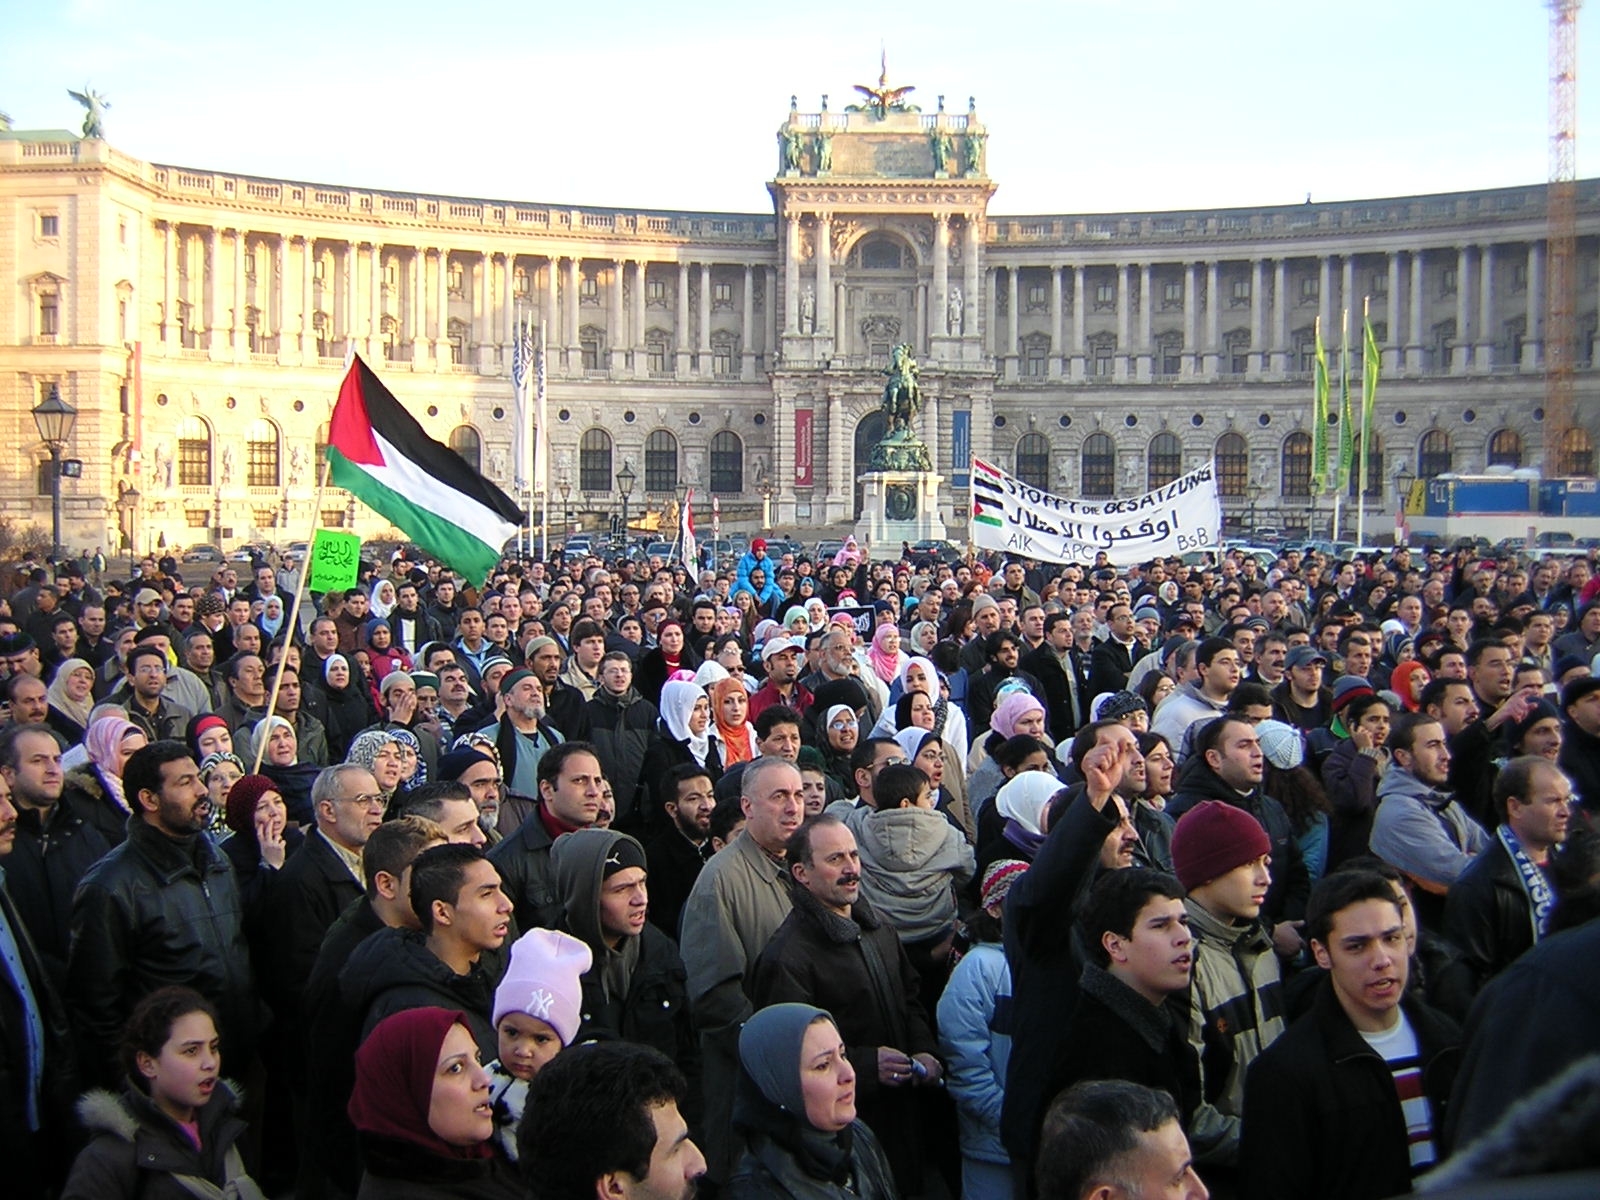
(879, 328)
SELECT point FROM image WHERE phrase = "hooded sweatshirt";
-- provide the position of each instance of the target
(910, 858)
(638, 990)
(1423, 831)
(393, 970)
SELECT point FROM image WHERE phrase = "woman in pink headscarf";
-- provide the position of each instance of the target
(95, 788)
(884, 656)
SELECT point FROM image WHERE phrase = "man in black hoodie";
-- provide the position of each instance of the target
(1580, 740)
(1228, 765)
(635, 989)
(461, 912)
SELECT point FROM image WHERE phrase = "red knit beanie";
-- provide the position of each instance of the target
(243, 796)
(1213, 838)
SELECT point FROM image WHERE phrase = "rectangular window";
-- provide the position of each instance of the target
(656, 358)
(1239, 361)
(1519, 277)
(1447, 281)
(1171, 360)
(1310, 287)
(49, 225)
(1172, 292)
(49, 315)
(318, 271)
(1105, 293)
(722, 293)
(722, 361)
(1036, 295)
(1102, 362)
(1241, 289)
(589, 288)
(591, 355)
(655, 291)
(1033, 366)
(1378, 284)
(250, 264)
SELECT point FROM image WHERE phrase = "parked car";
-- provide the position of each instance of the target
(667, 550)
(202, 554)
(828, 548)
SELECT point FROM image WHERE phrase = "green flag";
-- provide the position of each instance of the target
(1371, 363)
(1319, 416)
(1347, 424)
(335, 561)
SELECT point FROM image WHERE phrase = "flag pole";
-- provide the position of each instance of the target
(1344, 434)
(541, 449)
(291, 625)
(1366, 433)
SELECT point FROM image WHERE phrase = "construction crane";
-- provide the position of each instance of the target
(1561, 209)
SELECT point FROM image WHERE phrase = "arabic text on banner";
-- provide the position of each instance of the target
(1017, 518)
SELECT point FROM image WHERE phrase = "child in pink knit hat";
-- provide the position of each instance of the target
(536, 1015)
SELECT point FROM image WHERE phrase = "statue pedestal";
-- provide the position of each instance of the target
(900, 506)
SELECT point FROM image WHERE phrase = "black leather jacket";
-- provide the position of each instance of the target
(158, 911)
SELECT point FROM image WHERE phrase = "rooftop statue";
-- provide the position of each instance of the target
(94, 117)
(883, 99)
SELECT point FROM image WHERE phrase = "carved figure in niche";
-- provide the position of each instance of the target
(227, 463)
(497, 464)
(161, 467)
(792, 150)
(953, 312)
(974, 153)
(94, 116)
(902, 397)
(808, 310)
(943, 151)
(823, 145)
(297, 465)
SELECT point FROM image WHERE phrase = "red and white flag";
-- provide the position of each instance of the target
(691, 550)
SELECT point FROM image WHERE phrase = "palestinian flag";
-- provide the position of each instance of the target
(378, 453)
(988, 502)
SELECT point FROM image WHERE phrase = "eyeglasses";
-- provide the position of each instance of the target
(365, 800)
(844, 723)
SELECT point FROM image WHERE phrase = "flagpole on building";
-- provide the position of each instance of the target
(1361, 468)
(292, 624)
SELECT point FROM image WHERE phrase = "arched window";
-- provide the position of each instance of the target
(880, 254)
(1433, 454)
(1033, 460)
(1297, 464)
(1375, 473)
(661, 462)
(1576, 453)
(1164, 460)
(194, 453)
(1233, 465)
(1505, 449)
(261, 455)
(594, 461)
(1099, 465)
(727, 462)
(464, 440)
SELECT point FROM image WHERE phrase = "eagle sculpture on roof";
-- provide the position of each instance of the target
(883, 98)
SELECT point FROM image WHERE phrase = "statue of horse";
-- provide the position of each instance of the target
(902, 398)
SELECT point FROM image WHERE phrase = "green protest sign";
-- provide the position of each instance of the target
(335, 561)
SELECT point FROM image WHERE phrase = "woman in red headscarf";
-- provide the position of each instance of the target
(421, 1105)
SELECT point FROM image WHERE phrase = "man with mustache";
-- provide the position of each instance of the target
(1347, 1103)
(835, 952)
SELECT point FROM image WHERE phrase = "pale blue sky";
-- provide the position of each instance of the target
(1093, 105)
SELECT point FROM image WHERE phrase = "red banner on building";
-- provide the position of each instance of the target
(802, 447)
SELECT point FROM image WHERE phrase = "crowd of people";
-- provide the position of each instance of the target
(875, 876)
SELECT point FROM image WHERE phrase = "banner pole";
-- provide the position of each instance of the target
(541, 447)
(291, 626)
(1366, 433)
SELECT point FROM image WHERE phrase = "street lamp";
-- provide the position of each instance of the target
(767, 491)
(1403, 479)
(55, 419)
(625, 481)
(128, 503)
(566, 510)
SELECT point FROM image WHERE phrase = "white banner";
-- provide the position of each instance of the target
(1020, 519)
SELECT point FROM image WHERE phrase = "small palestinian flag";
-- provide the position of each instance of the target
(378, 453)
(988, 505)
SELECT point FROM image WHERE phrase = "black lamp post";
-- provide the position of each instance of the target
(625, 481)
(566, 509)
(55, 419)
(1403, 479)
(128, 503)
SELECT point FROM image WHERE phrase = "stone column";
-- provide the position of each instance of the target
(824, 252)
(347, 291)
(169, 275)
(770, 325)
(1080, 348)
(1414, 331)
(214, 301)
(839, 501)
(1461, 352)
(681, 334)
(1013, 318)
(1392, 352)
(1281, 349)
(280, 322)
(920, 320)
(1058, 350)
(375, 327)
(483, 314)
(1146, 365)
(550, 308)
(971, 289)
(441, 327)
(1484, 359)
(616, 333)
(1213, 365)
(1189, 364)
(1120, 365)
(416, 324)
(574, 312)
(705, 319)
(791, 275)
(1533, 338)
(308, 294)
(1325, 296)
(508, 307)
(1349, 301)
(747, 326)
(1257, 361)
(937, 324)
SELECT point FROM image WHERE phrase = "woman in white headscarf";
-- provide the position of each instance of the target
(918, 674)
(687, 736)
(381, 601)
(71, 695)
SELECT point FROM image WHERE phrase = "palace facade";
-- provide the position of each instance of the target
(198, 322)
